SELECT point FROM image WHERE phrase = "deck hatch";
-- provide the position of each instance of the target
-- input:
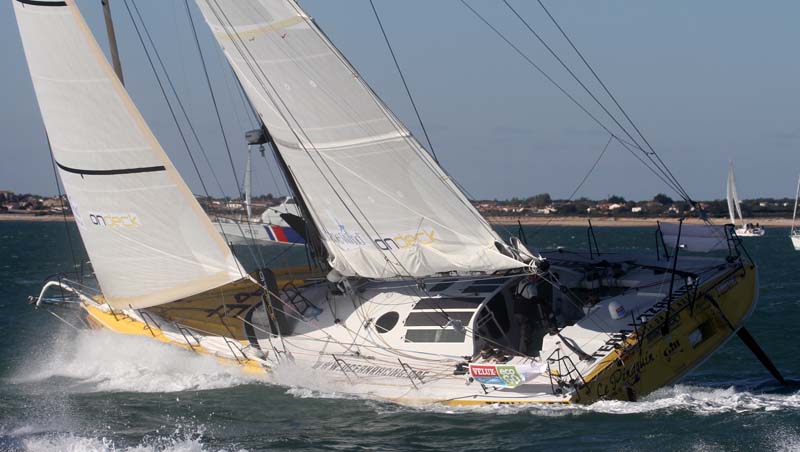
(437, 335)
(437, 318)
(449, 303)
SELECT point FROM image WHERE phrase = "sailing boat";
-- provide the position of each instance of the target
(795, 232)
(735, 208)
(417, 298)
(271, 228)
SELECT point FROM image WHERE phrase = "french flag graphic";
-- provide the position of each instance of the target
(283, 234)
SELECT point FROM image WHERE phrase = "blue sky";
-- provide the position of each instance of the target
(707, 82)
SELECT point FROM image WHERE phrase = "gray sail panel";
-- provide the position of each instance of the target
(383, 207)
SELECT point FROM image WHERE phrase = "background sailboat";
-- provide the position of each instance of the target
(269, 228)
(735, 208)
(795, 232)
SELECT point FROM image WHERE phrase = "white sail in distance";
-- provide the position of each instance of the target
(147, 237)
(734, 205)
(382, 205)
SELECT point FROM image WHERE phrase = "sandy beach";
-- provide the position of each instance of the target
(526, 221)
(30, 217)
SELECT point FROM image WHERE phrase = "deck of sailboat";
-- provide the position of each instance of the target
(340, 348)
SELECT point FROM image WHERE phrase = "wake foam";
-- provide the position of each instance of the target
(306, 383)
(695, 399)
(101, 361)
(702, 401)
(179, 441)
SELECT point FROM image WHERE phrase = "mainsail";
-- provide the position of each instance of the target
(147, 237)
(381, 204)
(733, 198)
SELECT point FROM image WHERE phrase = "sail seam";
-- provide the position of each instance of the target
(111, 172)
(41, 3)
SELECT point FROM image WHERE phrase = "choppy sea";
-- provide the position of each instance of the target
(62, 389)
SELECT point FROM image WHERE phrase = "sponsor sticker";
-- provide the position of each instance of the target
(498, 375)
(114, 220)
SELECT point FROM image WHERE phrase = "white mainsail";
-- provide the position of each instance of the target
(733, 198)
(147, 237)
(382, 205)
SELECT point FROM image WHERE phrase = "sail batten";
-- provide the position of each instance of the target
(382, 206)
(147, 237)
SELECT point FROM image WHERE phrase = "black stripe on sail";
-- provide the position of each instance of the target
(111, 172)
(42, 3)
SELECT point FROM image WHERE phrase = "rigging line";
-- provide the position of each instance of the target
(583, 181)
(302, 130)
(403, 79)
(425, 157)
(571, 72)
(166, 98)
(249, 108)
(560, 88)
(613, 98)
(213, 97)
(246, 105)
(61, 198)
(172, 113)
(536, 66)
(224, 138)
(177, 98)
(231, 98)
(183, 110)
(594, 165)
(272, 175)
(627, 147)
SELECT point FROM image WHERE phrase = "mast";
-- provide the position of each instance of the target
(112, 40)
(248, 185)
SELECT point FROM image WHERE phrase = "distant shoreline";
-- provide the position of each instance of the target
(557, 220)
(554, 220)
(33, 217)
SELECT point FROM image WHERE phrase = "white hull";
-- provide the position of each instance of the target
(753, 232)
(796, 242)
(245, 233)
(344, 343)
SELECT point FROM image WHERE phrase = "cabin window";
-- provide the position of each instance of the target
(387, 322)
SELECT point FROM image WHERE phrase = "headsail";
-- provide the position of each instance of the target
(383, 207)
(733, 198)
(147, 237)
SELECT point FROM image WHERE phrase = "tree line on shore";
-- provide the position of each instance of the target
(660, 205)
(541, 204)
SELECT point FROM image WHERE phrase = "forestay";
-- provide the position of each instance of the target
(147, 237)
(383, 207)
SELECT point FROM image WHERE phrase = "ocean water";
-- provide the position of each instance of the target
(62, 389)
